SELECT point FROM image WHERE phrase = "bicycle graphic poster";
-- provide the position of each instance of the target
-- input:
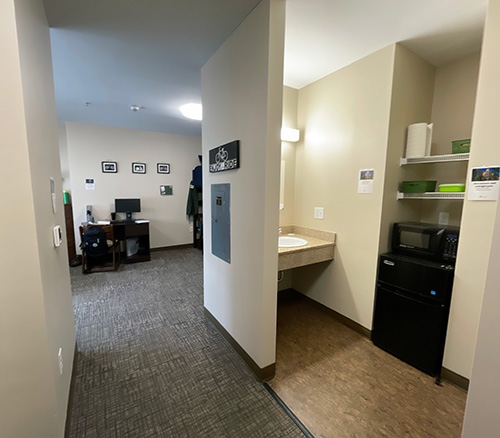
(224, 157)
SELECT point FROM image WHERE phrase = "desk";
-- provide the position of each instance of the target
(128, 229)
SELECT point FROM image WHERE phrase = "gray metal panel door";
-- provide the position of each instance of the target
(221, 221)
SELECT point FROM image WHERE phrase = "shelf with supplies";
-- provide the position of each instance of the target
(435, 159)
(431, 195)
(448, 158)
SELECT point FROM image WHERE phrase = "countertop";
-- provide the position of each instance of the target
(320, 247)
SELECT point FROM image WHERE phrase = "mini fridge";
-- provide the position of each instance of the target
(412, 305)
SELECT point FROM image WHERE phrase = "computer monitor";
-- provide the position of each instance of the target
(129, 206)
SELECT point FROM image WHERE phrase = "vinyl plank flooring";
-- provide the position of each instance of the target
(341, 385)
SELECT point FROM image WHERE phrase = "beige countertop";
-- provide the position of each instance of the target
(320, 247)
(311, 243)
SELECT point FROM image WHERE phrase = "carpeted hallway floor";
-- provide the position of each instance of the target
(150, 365)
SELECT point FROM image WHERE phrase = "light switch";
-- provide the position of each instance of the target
(318, 212)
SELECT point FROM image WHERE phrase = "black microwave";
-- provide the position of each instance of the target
(429, 241)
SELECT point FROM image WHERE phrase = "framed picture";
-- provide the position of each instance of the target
(138, 167)
(109, 167)
(163, 168)
(166, 190)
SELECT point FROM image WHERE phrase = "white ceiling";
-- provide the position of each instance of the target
(323, 36)
(117, 53)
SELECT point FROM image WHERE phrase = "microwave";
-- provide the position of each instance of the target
(428, 241)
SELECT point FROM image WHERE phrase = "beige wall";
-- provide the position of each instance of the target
(452, 114)
(63, 152)
(344, 120)
(88, 145)
(242, 87)
(36, 313)
(454, 101)
(290, 107)
(478, 217)
(481, 415)
(411, 102)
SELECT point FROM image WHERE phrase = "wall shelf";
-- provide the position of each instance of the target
(432, 195)
(434, 159)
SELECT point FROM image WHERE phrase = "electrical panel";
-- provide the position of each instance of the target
(221, 221)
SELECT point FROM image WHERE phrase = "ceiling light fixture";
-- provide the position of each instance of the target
(290, 134)
(136, 108)
(192, 111)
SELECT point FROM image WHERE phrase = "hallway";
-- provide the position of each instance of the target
(150, 365)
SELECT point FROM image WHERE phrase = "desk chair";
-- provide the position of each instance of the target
(109, 261)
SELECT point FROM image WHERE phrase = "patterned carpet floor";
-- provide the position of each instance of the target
(150, 365)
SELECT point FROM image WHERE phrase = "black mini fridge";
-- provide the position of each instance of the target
(412, 305)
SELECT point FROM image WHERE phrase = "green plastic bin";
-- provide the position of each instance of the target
(418, 186)
(460, 146)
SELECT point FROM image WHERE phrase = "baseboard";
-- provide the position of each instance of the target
(455, 379)
(338, 316)
(166, 248)
(67, 426)
(262, 374)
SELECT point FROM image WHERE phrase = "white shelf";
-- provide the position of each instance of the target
(434, 159)
(432, 195)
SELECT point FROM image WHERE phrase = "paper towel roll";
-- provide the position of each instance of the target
(419, 140)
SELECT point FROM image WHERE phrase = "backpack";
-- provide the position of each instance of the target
(94, 242)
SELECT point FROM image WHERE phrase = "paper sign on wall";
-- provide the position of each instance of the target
(484, 183)
(89, 184)
(365, 183)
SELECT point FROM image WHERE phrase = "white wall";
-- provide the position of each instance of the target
(483, 401)
(36, 317)
(242, 87)
(344, 120)
(89, 145)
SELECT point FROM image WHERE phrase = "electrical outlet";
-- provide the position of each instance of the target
(190, 228)
(318, 212)
(61, 364)
(444, 218)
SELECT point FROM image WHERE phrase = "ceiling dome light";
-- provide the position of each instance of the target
(192, 111)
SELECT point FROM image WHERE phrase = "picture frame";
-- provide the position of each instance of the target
(109, 166)
(166, 190)
(163, 168)
(139, 168)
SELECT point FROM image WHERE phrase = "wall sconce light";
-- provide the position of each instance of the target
(290, 134)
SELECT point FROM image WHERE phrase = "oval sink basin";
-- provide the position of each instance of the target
(290, 242)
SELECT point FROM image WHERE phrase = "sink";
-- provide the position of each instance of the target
(290, 242)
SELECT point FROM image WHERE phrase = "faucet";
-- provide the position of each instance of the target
(280, 231)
